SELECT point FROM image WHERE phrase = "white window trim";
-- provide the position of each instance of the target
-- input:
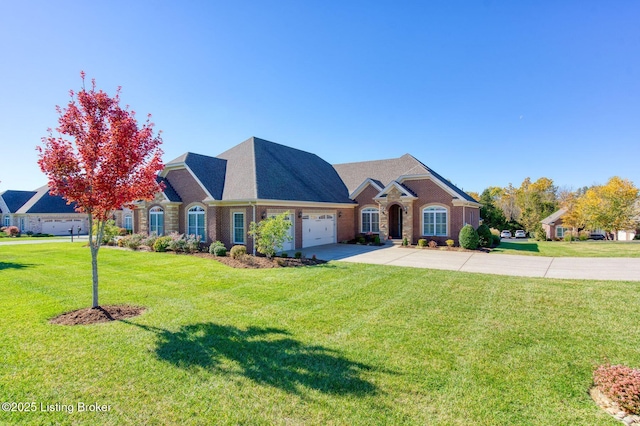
(233, 227)
(204, 220)
(362, 211)
(558, 228)
(448, 219)
(155, 211)
(6, 220)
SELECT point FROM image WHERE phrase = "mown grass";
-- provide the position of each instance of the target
(573, 249)
(334, 344)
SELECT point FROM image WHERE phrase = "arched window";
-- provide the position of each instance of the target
(370, 220)
(156, 220)
(195, 222)
(434, 221)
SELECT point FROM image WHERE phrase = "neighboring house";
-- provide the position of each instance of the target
(554, 228)
(40, 212)
(218, 197)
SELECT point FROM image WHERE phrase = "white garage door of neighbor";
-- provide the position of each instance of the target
(60, 226)
(288, 245)
(318, 229)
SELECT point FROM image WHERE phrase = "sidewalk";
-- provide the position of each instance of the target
(618, 269)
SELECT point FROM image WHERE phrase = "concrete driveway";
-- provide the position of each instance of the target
(619, 269)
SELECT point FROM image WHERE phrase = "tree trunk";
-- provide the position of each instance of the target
(94, 245)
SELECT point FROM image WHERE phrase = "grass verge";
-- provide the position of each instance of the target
(573, 249)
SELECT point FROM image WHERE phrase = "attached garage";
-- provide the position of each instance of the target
(60, 226)
(318, 229)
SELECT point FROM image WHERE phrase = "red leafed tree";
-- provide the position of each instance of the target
(101, 160)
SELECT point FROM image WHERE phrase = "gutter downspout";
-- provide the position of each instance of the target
(254, 220)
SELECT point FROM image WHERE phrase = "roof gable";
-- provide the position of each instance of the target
(553, 216)
(16, 199)
(394, 169)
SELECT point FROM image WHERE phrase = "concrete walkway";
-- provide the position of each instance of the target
(619, 269)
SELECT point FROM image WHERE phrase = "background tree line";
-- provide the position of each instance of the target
(611, 207)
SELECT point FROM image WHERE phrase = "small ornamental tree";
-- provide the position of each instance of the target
(270, 234)
(101, 161)
(468, 237)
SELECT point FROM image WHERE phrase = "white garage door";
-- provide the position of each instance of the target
(318, 229)
(60, 226)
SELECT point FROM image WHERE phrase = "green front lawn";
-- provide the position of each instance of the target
(573, 249)
(333, 344)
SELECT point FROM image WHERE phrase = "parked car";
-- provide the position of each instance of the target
(520, 234)
(505, 234)
(596, 236)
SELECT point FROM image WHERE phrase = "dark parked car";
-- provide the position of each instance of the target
(596, 236)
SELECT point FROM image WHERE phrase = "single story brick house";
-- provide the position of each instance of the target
(555, 228)
(218, 197)
(40, 212)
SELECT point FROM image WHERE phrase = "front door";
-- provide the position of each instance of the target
(395, 221)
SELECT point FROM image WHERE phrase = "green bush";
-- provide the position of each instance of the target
(450, 243)
(540, 233)
(484, 236)
(162, 244)
(583, 236)
(495, 240)
(361, 240)
(468, 237)
(422, 242)
(284, 254)
(150, 240)
(238, 251)
(568, 237)
(298, 255)
(133, 241)
(376, 240)
(405, 241)
(217, 248)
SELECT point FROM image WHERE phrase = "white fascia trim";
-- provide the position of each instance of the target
(400, 188)
(363, 185)
(170, 167)
(437, 181)
(466, 203)
(278, 203)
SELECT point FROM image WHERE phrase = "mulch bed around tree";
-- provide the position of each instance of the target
(97, 315)
(257, 262)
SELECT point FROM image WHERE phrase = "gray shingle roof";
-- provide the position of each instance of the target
(209, 170)
(44, 202)
(554, 216)
(16, 199)
(259, 169)
(169, 192)
(386, 171)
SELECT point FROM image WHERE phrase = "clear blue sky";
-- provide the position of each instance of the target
(484, 92)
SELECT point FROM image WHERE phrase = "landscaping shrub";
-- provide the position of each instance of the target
(111, 231)
(149, 240)
(298, 255)
(284, 254)
(162, 244)
(192, 243)
(405, 242)
(495, 240)
(468, 237)
(583, 235)
(422, 242)
(433, 244)
(133, 241)
(621, 384)
(177, 243)
(450, 243)
(238, 251)
(217, 248)
(12, 231)
(568, 237)
(361, 240)
(376, 240)
(484, 236)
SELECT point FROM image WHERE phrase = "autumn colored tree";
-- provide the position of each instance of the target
(611, 207)
(101, 160)
(536, 200)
